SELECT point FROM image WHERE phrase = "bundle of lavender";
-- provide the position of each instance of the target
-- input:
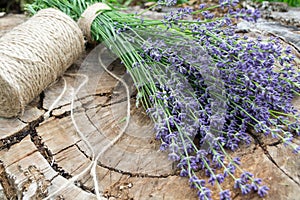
(203, 85)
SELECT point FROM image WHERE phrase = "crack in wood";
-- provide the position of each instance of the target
(274, 162)
(46, 153)
(235, 196)
(105, 105)
(68, 113)
(79, 184)
(17, 137)
(83, 98)
(284, 40)
(130, 174)
(41, 101)
(48, 156)
(274, 144)
(7, 183)
(63, 115)
(266, 152)
(9, 141)
(139, 175)
(37, 141)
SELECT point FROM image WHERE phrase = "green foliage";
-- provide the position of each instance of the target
(293, 3)
(24, 2)
(13, 5)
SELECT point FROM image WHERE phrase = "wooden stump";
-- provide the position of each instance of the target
(39, 153)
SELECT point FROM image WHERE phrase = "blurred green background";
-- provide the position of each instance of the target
(293, 3)
(16, 6)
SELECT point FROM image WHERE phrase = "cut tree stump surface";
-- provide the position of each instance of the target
(41, 152)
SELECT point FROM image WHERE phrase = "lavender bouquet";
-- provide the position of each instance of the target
(203, 85)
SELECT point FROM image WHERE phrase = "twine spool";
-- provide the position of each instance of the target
(88, 16)
(33, 55)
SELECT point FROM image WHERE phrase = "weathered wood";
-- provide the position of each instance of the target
(10, 21)
(10, 126)
(25, 166)
(261, 165)
(49, 151)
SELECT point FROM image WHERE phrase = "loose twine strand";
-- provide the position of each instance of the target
(122, 131)
(85, 24)
(92, 167)
(88, 17)
(33, 55)
(81, 135)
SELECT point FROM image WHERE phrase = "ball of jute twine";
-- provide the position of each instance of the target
(33, 55)
(88, 17)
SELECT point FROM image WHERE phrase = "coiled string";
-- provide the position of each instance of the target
(33, 55)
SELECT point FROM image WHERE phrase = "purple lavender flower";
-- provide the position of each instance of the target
(174, 156)
(246, 189)
(251, 90)
(225, 195)
(236, 161)
(167, 2)
(196, 182)
(296, 150)
(204, 194)
(220, 178)
(208, 15)
(238, 183)
(173, 18)
(230, 169)
(212, 179)
(184, 172)
(255, 183)
(262, 191)
(201, 6)
(228, 3)
(155, 55)
(246, 176)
